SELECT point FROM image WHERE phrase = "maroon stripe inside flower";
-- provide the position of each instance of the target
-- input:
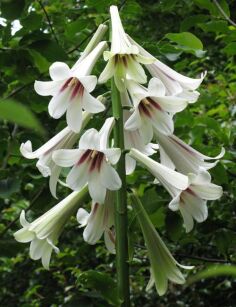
(188, 190)
(65, 85)
(182, 145)
(96, 161)
(77, 89)
(154, 103)
(143, 108)
(84, 156)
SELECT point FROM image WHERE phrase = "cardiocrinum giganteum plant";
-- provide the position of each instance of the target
(140, 128)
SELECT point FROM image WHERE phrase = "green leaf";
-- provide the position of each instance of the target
(8, 187)
(19, 114)
(192, 21)
(50, 50)
(102, 283)
(31, 22)
(185, 39)
(40, 62)
(213, 271)
(12, 9)
(215, 26)
(230, 49)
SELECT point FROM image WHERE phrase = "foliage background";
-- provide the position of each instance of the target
(83, 275)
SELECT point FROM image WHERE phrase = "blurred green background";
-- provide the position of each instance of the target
(34, 34)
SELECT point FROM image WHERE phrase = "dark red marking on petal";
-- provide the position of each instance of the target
(116, 59)
(111, 236)
(125, 61)
(93, 163)
(65, 85)
(99, 161)
(84, 156)
(144, 109)
(96, 162)
(182, 145)
(95, 208)
(188, 190)
(154, 103)
(77, 89)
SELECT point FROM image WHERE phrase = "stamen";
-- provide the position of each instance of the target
(94, 153)
(73, 81)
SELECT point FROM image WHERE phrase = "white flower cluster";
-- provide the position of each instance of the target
(148, 126)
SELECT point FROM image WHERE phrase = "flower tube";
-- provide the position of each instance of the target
(163, 265)
(167, 177)
(192, 202)
(47, 167)
(124, 58)
(175, 83)
(98, 222)
(182, 156)
(44, 232)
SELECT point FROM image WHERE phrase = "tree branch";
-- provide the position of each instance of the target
(223, 13)
(49, 21)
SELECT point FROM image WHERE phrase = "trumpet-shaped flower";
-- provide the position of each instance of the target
(192, 201)
(47, 167)
(163, 265)
(92, 163)
(175, 83)
(44, 232)
(175, 153)
(96, 38)
(98, 222)
(71, 89)
(169, 178)
(124, 58)
(152, 108)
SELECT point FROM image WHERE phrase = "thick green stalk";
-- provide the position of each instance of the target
(121, 205)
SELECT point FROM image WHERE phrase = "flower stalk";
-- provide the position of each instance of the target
(121, 204)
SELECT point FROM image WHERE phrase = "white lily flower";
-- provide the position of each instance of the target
(98, 222)
(175, 153)
(175, 83)
(192, 201)
(64, 139)
(71, 89)
(124, 58)
(163, 265)
(44, 232)
(169, 178)
(92, 163)
(152, 108)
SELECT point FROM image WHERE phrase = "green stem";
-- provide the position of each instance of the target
(121, 205)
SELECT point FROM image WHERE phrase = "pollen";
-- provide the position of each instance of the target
(94, 154)
(73, 82)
